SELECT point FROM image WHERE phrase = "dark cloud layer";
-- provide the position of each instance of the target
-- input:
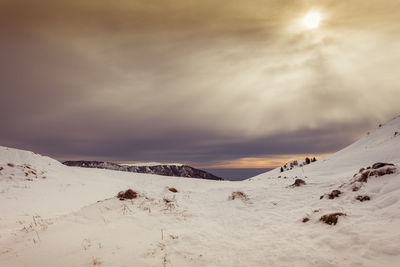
(194, 81)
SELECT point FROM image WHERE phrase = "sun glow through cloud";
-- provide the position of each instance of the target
(312, 20)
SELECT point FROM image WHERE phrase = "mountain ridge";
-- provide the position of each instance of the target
(162, 169)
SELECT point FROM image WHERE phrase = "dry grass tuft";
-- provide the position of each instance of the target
(240, 195)
(128, 194)
(170, 204)
(96, 262)
(334, 194)
(298, 182)
(363, 198)
(166, 200)
(355, 188)
(377, 173)
(381, 164)
(332, 218)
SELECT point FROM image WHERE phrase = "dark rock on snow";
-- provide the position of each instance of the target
(173, 189)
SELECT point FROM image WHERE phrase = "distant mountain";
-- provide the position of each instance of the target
(162, 169)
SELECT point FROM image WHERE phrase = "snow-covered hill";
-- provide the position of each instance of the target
(379, 145)
(53, 215)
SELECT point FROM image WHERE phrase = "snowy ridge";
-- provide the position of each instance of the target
(72, 217)
(166, 170)
(17, 156)
(150, 164)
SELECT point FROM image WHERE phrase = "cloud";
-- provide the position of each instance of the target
(194, 80)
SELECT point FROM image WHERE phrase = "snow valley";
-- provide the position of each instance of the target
(342, 210)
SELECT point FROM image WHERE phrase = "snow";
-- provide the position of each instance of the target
(62, 216)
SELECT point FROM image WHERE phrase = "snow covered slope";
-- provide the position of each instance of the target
(53, 215)
(379, 145)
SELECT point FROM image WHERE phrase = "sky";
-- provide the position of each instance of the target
(235, 83)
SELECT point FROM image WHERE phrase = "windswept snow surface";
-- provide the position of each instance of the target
(54, 215)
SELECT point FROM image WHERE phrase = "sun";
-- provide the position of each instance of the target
(312, 20)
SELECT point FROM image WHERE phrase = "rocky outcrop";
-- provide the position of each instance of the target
(167, 170)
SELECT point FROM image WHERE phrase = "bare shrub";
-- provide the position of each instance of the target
(332, 218)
